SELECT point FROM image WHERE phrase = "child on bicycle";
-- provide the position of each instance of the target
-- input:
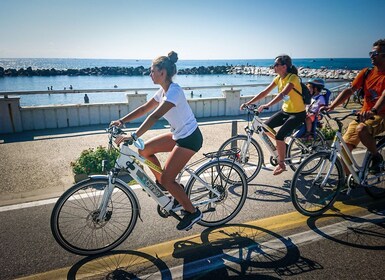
(315, 86)
(184, 140)
(293, 111)
(372, 114)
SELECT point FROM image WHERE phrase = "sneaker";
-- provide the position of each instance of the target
(189, 220)
(376, 166)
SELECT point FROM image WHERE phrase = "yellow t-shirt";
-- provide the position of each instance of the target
(295, 103)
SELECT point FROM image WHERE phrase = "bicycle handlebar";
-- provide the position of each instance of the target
(253, 108)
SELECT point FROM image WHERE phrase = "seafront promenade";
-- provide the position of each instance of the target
(36, 164)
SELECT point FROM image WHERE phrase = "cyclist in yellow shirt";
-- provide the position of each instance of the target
(293, 111)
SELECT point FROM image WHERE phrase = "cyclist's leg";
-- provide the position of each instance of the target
(159, 144)
(366, 132)
(278, 119)
(176, 160)
(351, 139)
(370, 128)
(293, 121)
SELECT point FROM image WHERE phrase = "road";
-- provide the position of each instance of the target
(268, 238)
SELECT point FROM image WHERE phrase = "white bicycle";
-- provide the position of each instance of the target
(320, 178)
(251, 156)
(99, 213)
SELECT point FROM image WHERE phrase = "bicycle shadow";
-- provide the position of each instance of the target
(353, 231)
(241, 252)
(269, 193)
(120, 264)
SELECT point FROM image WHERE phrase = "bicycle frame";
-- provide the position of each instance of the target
(129, 160)
(259, 128)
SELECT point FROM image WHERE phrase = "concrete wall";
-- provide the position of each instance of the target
(14, 118)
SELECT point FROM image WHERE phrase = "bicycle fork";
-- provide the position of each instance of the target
(106, 197)
(323, 169)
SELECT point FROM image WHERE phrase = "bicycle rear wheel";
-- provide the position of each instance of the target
(298, 149)
(74, 221)
(375, 183)
(229, 180)
(250, 156)
(314, 191)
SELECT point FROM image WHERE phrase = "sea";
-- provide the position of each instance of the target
(38, 83)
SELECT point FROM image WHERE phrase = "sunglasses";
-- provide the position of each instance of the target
(277, 64)
(374, 53)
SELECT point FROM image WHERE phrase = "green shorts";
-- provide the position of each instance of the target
(192, 142)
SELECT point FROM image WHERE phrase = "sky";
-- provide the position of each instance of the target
(195, 29)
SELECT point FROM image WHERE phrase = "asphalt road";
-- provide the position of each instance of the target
(268, 238)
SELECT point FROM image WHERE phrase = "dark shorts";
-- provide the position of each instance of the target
(287, 121)
(192, 142)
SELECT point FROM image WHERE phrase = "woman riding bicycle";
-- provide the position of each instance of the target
(293, 111)
(184, 140)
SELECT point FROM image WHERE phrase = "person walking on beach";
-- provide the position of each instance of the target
(184, 140)
(293, 111)
(372, 114)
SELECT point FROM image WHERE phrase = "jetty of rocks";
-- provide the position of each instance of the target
(341, 74)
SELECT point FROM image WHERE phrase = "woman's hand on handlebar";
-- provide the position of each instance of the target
(122, 138)
(263, 107)
(117, 123)
(243, 106)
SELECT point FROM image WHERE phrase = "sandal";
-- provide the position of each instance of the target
(279, 169)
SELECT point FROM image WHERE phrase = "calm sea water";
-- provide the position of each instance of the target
(104, 82)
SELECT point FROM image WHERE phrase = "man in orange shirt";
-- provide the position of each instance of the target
(372, 114)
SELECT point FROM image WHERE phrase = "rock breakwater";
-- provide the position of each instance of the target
(341, 74)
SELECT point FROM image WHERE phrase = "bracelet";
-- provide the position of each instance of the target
(374, 111)
(121, 122)
(134, 136)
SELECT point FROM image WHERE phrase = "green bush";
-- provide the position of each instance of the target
(90, 160)
(328, 132)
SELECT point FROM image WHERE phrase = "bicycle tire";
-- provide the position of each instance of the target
(73, 222)
(226, 177)
(253, 159)
(298, 150)
(346, 102)
(307, 195)
(376, 190)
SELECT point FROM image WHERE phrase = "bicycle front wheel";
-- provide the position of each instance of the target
(315, 190)
(250, 156)
(299, 149)
(75, 223)
(375, 183)
(226, 178)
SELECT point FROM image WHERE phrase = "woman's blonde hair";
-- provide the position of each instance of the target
(168, 63)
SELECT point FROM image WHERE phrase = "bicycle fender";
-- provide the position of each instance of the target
(121, 182)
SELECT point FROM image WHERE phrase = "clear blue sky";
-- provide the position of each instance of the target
(195, 29)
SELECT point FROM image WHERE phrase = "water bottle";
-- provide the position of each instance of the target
(139, 143)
